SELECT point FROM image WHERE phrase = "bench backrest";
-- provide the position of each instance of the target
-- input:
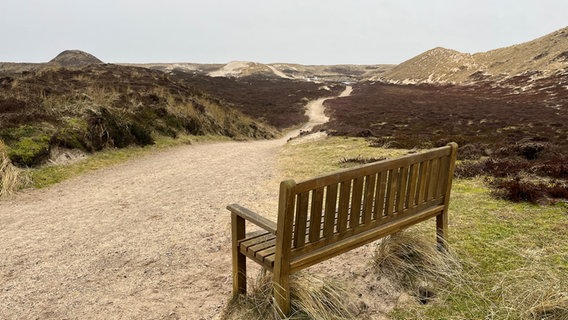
(323, 211)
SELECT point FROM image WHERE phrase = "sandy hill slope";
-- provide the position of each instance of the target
(293, 71)
(74, 58)
(237, 69)
(336, 73)
(541, 57)
(66, 59)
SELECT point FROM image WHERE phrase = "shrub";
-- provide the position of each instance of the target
(72, 135)
(346, 162)
(30, 151)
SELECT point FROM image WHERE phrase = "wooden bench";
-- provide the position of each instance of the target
(325, 216)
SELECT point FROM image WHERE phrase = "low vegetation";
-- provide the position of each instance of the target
(11, 178)
(313, 297)
(276, 101)
(510, 259)
(105, 106)
(98, 107)
(510, 135)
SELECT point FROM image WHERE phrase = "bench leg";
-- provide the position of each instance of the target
(442, 230)
(281, 289)
(239, 259)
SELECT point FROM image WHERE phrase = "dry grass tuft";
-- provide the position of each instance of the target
(313, 297)
(416, 264)
(533, 292)
(11, 178)
(320, 298)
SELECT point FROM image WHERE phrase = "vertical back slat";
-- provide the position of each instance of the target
(443, 176)
(368, 200)
(391, 191)
(356, 202)
(343, 212)
(434, 167)
(315, 214)
(330, 206)
(413, 182)
(422, 185)
(402, 189)
(380, 195)
(301, 219)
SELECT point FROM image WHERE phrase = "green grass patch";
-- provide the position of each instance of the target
(515, 255)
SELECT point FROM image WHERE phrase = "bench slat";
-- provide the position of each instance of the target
(423, 178)
(380, 195)
(442, 173)
(330, 209)
(258, 246)
(391, 192)
(434, 166)
(402, 189)
(356, 202)
(301, 219)
(413, 182)
(343, 212)
(316, 214)
(368, 199)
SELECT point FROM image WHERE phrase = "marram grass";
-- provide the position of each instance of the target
(312, 297)
(11, 178)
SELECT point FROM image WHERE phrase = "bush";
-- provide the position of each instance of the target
(346, 162)
(30, 151)
(115, 129)
(72, 135)
(521, 188)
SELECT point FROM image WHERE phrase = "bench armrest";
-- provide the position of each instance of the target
(253, 217)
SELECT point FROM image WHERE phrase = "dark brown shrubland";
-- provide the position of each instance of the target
(503, 132)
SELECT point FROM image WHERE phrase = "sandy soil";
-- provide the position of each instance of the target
(147, 239)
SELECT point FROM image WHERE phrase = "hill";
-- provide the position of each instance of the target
(107, 106)
(542, 57)
(244, 69)
(74, 58)
(76, 101)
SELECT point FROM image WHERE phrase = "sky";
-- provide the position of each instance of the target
(268, 31)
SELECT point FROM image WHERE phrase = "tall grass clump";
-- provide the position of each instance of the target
(312, 296)
(532, 292)
(11, 178)
(417, 265)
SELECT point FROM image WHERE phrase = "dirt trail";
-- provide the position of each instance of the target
(147, 239)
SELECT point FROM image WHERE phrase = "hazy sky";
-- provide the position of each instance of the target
(299, 31)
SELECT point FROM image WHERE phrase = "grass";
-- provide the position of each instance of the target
(514, 256)
(313, 297)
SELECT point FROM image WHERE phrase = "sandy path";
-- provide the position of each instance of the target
(147, 239)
